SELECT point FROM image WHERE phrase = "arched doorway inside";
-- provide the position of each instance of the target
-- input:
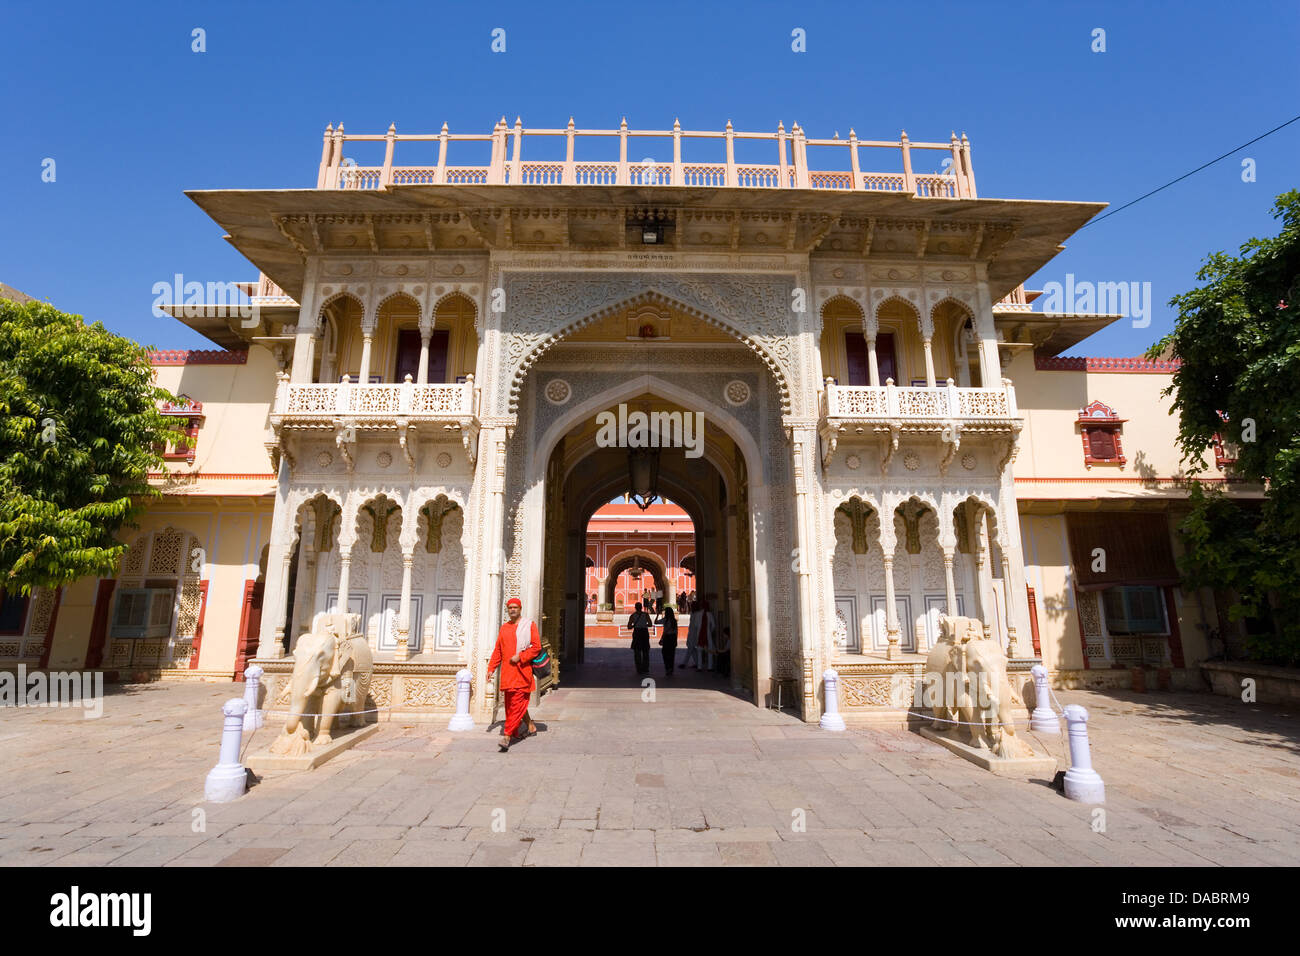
(589, 484)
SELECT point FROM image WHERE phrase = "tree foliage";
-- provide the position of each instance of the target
(80, 431)
(1238, 338)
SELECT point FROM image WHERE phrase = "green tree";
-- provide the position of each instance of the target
(1238, 338)
(80, 430)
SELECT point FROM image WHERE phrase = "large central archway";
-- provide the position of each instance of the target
(583, 477)
(735, 491)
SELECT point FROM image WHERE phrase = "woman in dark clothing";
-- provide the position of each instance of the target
(668, 639)
(640, 625)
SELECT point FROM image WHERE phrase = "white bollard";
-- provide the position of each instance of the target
(831, 717)
(253, 717)
(1043, 720)
(462, 720)
(227, 780)
(1082, 783)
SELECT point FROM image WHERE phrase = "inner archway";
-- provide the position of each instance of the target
(588, 496)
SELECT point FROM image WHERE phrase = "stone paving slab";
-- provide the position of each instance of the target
(699, 777)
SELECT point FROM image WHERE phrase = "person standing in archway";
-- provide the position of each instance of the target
(640, 625)
(705, 636)
(692, 632)
(517, 644)
(668, 639)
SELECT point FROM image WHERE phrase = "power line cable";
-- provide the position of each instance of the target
(1192, 173)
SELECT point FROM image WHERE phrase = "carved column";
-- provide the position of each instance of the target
(404, 615)
(364, 376)
(949, 583)
(277, 558)
(891, 609)
(763, 564)
(869, 330)
(308, 321)
(493, 457)
(422, 375)
(804, 438)
(926, 324)
(345, 573)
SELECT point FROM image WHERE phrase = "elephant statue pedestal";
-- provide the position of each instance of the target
(328, 693)
(966, 687)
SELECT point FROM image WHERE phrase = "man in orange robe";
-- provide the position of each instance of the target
(517, 644)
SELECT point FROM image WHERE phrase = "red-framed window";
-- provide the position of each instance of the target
(1101, 429)
(190, 414)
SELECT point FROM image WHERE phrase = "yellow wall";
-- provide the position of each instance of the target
(236, 407)
(1051, 446)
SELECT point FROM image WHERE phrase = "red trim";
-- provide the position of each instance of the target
(1033, 623)
(1129, 478)
(198, 628)
(1092, 363)
(174, 357)
(250, 622)
(99, 623)
(1175, 636)
(49, 631)
(224, 475)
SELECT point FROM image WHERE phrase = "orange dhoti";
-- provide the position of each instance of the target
(516, 707)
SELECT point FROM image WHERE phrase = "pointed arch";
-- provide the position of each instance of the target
(767, 350)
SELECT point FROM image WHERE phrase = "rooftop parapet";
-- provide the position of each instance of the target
(507, 165)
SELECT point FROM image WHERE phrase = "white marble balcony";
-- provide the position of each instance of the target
(347, 403)
(947, 410)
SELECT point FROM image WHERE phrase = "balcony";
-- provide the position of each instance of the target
(507, 165)
(946, 410)
(346, 407)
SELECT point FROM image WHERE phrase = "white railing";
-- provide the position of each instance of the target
(508, 167)
(947, 401)
(368, 401)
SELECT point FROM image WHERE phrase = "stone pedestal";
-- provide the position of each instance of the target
(264, 760)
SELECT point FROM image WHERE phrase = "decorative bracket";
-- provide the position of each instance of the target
(952, 436)
(891, 446)
(406, 438)
(345, 437)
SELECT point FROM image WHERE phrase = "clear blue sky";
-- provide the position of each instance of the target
(132, 117)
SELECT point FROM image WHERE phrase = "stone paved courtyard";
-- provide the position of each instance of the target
(696, 777)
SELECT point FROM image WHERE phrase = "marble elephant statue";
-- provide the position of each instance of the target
(968, 683)
(944, 683)
(332, 668)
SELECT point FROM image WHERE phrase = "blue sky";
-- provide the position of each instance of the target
(132, 117)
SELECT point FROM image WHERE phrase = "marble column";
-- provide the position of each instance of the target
(929, 362)
(873, 368)
(422, 374)
(949, 582)
(891, 610)
(278, 551)
(364, 377)
(345, 574)
(404, 615)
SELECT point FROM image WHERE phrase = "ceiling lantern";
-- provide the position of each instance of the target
(643, 475)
